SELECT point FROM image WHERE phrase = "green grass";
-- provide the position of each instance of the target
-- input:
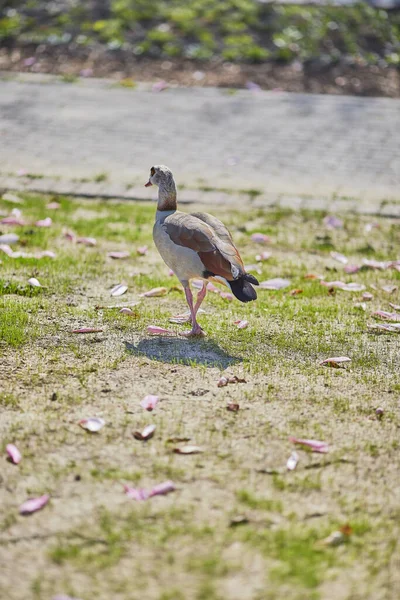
(92, 541)
(205, 29)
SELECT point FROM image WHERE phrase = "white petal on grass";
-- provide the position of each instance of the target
(263, 256)
(389, 289)
(197, 283)
(119, 290)
(34, 504)
(145, 434)
(13, 453)
(188, 450)
(292, 461)
(367, 296)
(394, 306)
(127, 311)
(340, 257)
(149, 402)
(375, 264)
(7, 249)
(275, 284)
(92, 424)
(335, 361)
(387, 327)
(9, 238)
(34, 282)
(12, 198)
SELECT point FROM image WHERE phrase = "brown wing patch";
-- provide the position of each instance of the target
(190, 232)
(215, 263)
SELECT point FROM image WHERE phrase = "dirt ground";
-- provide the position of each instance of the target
(369, 80)
(239, 524)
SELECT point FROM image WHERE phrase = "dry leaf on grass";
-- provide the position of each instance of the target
(155, 292)
(314, 445)
(34, 504)
(145, 434)
(223, 381)
(296, 292)
(14, 454)
(149, 402)
(92, 424)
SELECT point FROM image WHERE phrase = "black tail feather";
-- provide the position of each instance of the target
(242, 289)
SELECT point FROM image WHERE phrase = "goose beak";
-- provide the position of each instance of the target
(148, 184)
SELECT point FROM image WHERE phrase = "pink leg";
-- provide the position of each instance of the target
(188, 318)
(196, 329)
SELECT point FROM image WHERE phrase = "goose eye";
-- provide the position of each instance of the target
(152, 171)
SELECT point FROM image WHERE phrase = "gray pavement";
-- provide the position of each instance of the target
(286, 145)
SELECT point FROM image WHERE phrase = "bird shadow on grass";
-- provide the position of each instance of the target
(183, 351)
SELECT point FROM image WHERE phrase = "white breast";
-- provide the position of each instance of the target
(184, 262)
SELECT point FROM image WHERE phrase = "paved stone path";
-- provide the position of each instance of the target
(283, 144)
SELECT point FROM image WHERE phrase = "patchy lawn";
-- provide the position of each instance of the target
(239, 525)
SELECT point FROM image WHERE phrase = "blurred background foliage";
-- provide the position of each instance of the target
(232, 30)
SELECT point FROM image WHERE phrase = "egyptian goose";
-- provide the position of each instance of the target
(196, 245)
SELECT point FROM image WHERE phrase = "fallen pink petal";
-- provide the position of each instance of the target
(351, 269)
(9, 238)
(138, 494)
(335, 361)
(292, 461)
(222, 382)
(119, 290)
(155, 292)
(142, 250)
(275, 284)
(367, 296)
(6, 249)
(340, 257)
(394, 306)
(149, 402)
(14, 454)
(47, 222)
(87, 330)
(127, 311)
(263, 256)
(314, 445)
(159, 86)
(212, 288)
(260, 238)
(12, 221)
(118, 255)
(375, 264)
(155, 330)
(241, 324)
(227, 296)
(333, 222)
(232, 407)
(386, 316)
(145, 434)
(70, 236)
(86, 241)
(92, 424)
(34, 504)
(53, 205)
(163, 488)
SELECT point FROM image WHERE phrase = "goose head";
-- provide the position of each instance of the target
(161, 176)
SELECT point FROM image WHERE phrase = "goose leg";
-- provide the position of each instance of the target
(196, 329)
(187, 318)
